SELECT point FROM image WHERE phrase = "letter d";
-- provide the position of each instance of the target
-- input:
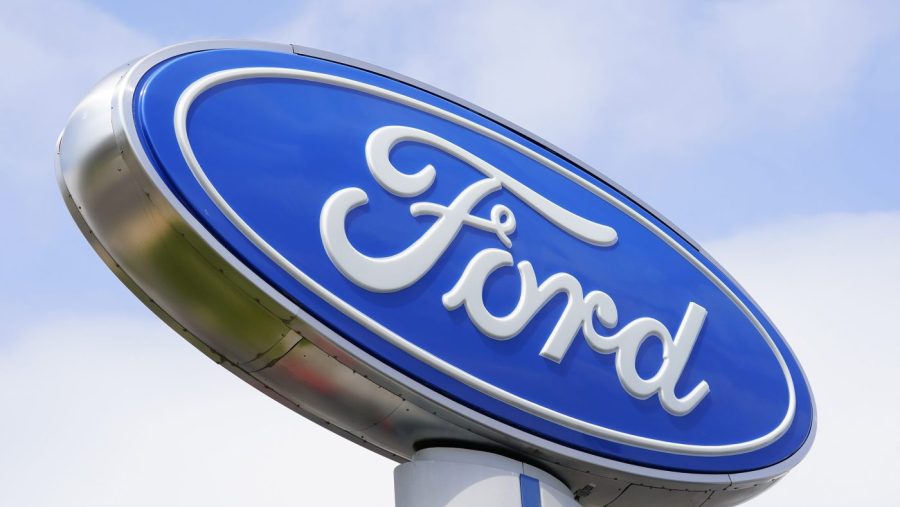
(678, 358)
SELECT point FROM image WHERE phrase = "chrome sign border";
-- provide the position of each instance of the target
(109, 155)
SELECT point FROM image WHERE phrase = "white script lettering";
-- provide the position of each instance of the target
(401, 270)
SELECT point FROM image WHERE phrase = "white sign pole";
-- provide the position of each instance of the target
(449, 477)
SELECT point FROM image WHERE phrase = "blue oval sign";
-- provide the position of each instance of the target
(475, 260)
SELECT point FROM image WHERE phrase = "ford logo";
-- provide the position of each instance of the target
(491, 273)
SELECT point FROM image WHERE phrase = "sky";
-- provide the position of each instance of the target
(768, 131)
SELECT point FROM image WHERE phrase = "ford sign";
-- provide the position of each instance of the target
(409, 270)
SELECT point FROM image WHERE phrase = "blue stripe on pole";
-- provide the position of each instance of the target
(531, 491)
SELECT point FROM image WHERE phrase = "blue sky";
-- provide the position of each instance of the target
(767, 130)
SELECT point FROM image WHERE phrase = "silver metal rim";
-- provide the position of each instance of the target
(130, 146)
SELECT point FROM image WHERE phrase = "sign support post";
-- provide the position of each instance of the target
(451, 477)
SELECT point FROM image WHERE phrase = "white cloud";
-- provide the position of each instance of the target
(830, 284)
(805, 55)
(113, 410)
(56, 51)
(108, 410)
(618, 79)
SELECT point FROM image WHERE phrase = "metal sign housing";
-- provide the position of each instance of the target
(408, 270)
